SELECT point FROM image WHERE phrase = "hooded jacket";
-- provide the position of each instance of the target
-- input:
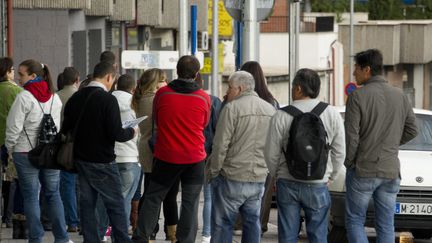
(127, 151)
(181, 112)
(26, 113)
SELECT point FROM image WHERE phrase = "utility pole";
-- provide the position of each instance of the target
(351, 51)
(294, 34)
(183, 27)
(215, 50)
(250, 31)
(2, 28)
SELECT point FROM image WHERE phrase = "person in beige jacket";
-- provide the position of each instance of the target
(237, 169)
(142, 102)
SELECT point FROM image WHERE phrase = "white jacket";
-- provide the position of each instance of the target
(278, 135)
(26, 113)
(127, 151)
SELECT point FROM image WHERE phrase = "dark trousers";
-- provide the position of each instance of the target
(103, 180)
(164, 177)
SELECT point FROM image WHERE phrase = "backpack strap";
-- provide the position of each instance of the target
(319, 108)
(292, 110)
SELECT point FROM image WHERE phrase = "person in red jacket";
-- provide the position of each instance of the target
(181, 112)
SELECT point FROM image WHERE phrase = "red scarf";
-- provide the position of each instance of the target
(39, 90)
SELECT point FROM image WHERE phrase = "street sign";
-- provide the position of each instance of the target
(207, 68)
(235, 8)
(349, 88)
(224, 20)
(153, 59)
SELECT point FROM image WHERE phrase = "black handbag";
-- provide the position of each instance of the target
(58, 153)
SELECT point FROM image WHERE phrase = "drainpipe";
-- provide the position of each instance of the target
(9, 29)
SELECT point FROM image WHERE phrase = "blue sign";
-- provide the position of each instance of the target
(349, 88)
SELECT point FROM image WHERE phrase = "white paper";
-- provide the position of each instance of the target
(133, 122)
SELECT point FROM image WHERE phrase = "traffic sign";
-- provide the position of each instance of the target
(349, 88)
(224, 20)
(236, 7)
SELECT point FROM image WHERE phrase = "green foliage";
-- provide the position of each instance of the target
(378, 9)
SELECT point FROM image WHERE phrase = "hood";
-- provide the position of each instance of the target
(124, 100)
(184, 86)
(415, 167)
(39, 89)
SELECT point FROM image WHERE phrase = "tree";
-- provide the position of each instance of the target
(385, 9)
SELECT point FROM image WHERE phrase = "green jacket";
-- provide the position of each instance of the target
(8, 92)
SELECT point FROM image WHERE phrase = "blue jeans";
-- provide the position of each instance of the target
(359, 191)
(229, 198)
(314, 199)
(68, 195)
(103, 180)
(129, 176)
(29, 179)
(207, 210)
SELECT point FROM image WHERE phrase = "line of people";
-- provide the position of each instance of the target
(235, 151)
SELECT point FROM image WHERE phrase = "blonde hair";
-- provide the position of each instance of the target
(146, 84)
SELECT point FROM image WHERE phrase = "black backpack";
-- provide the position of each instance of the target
(45, 147)
(307, 149)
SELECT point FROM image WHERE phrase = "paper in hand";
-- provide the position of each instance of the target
(133, 122)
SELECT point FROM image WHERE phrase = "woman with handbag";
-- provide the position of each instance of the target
(13, 202)
(23, 128)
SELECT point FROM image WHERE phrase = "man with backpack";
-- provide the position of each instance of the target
(305, 149)
(236, 168)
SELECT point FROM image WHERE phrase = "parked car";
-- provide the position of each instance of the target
(413, 210)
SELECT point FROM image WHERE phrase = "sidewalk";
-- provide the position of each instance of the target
(268, 237)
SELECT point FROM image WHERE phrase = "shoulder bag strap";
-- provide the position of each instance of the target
(82, 113)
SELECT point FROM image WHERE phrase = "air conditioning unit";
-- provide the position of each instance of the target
(203, 40)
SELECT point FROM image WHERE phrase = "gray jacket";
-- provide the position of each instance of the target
(378, 119)
(238, 145)
(277, 139)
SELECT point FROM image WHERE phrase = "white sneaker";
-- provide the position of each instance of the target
(70, 241)
(206, 239)
(105, 239)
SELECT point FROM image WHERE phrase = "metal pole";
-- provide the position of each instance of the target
(3, 28)
(215, 50)
(122, 44)
(297, 34)
(351, 54)
(250, 31)
(9, 28)
(239, 44)
(292, 49)
(194, 33)
(183, 30)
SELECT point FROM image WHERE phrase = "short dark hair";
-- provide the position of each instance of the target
(126, 83)
(372, 58)
(103, 68)
(6, 65)
(70, 75)
(107, 56)
(309, 82)
(188, 67)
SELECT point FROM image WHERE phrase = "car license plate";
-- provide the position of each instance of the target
(414, 208)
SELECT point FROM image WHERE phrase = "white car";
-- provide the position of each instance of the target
(414, 201)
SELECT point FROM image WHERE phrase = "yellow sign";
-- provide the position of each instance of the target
(207, 68)
(224, 20)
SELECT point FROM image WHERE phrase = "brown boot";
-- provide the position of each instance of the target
(171, 233)
(134, 214)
